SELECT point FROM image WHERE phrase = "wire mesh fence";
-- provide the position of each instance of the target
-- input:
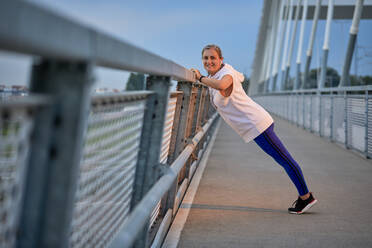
(107, 172)
(338, 120)
(85, 190)
(108, 164)
(165, 148)
(15, 127)
(105, 185)
(356, 113)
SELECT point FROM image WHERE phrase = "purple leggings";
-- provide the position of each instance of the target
(271, 144)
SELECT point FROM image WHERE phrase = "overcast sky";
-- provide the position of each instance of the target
(177, 30)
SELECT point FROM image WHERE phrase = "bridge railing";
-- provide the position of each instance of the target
(16, 119)
(341, 114)
(101, 171)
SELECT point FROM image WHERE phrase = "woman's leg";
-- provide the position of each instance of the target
(271, 144)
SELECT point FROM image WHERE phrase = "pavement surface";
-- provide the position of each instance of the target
(243, 195)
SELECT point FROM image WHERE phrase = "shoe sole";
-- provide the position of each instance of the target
(305, 208)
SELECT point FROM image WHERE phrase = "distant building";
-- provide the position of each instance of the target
(101, 90)
(7, 92)
(105, 90)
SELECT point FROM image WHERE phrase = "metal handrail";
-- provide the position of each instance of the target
(139, 215)
(31, 29)
(323, 90)
(68, 51)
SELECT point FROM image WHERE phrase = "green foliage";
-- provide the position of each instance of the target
(289, 84)
(367, 80)
(136, 81)
(332, 78)
(245, 83)
(362, 80)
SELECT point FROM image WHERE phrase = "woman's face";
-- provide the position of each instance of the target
(211, 61)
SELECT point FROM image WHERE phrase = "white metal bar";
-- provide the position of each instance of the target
(309, 51)
(356, 17)
(328, 24)
(294, 33)
(280, 48)
(287, 33)
(279, 36)
(351, 44)
(274, 26)
(313, 29)
(326, 45)
(291, 47)
(285, 51)
(302, 31)
(286, 42)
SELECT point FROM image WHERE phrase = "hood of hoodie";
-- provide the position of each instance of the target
(238, 75)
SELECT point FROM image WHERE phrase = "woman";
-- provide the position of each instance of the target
(249, 119)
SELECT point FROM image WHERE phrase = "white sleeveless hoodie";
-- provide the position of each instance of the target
(244, 115)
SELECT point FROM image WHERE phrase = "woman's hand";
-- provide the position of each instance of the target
(196, 73)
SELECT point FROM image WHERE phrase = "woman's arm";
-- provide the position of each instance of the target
(222, 84)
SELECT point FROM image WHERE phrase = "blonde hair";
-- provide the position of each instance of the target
(215, 47)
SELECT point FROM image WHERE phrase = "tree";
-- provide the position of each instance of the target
(367, 80)
(289, 84)
(136, 81)
(311, 82)
(332, 78)
(245, 83)
(360, 80)
(354, 80)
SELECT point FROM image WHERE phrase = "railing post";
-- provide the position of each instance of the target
(207, 106)
(201, 109)
(55, 152)
(197, 107)
(172, 147)
(311, 113)
(345, 121)
(366, 125)
(199, 118)
(331, 116)
(175, 128)
(148, 167)
(179, 138)
(298, 108)
(320, 113)
(303, 111)
(189, 132)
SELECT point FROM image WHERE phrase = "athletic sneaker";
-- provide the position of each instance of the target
(301, 206)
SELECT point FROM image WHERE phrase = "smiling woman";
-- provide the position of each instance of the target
(248, 119)
(212, 61)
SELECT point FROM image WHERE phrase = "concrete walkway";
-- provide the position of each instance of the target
(243, 195)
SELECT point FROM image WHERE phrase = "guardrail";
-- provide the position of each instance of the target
(341, 114)
(16, 118)
(107, 171)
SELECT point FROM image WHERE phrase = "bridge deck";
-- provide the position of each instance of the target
(243, 196)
